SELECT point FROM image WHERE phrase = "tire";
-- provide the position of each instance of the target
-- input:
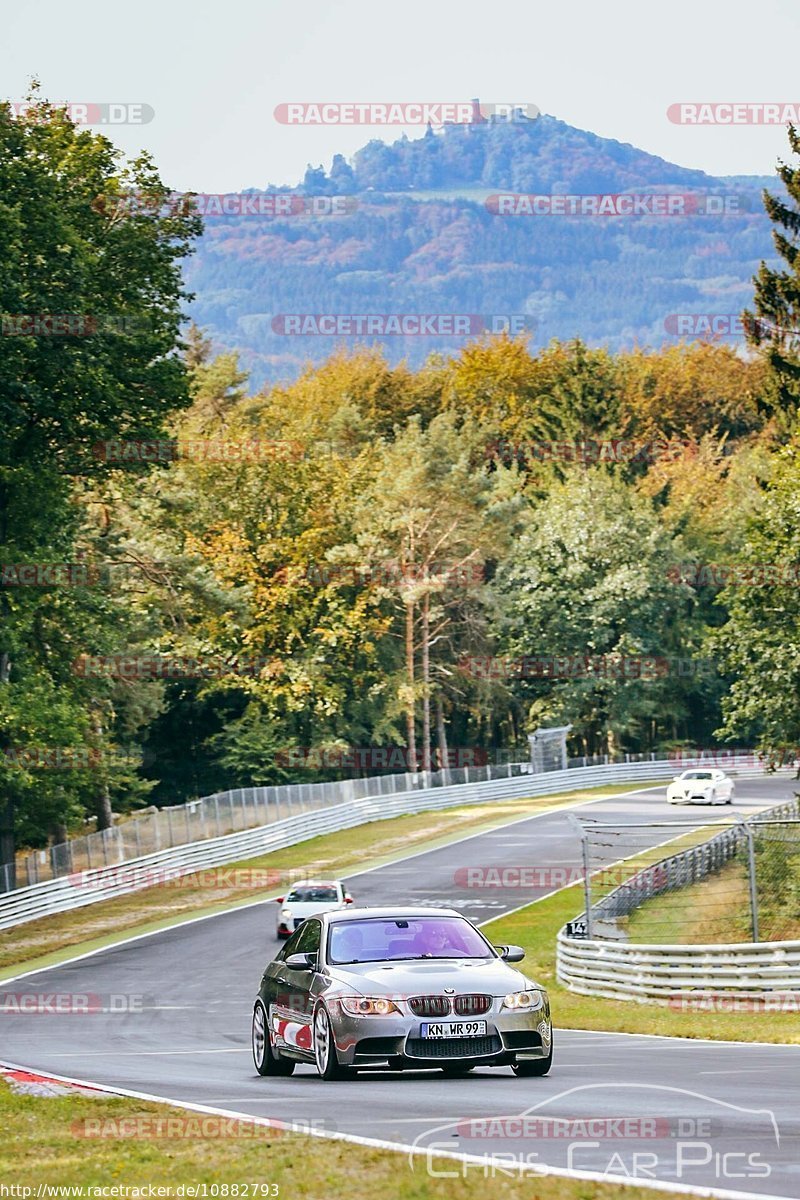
(457, 1070)
(536, 1066)
(713, 799)
(267, 1061)
(325, 1055)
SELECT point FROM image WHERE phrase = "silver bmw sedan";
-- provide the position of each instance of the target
(398, 988)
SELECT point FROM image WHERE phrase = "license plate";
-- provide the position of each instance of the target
(452, 1029)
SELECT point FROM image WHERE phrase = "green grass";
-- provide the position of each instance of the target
(43, 942)
(535, 928)
(718, 908)
(42, 1144)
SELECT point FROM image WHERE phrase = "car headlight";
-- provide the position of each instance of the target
(523, 1001)
(368, 1006)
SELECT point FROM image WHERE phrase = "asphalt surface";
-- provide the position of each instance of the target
(171, 1017)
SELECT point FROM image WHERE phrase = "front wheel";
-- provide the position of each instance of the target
(536, 1066)
(266, 1060)
(325, 1055)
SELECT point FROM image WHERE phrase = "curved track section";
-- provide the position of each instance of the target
(169, 1016)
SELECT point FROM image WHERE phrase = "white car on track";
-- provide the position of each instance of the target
(701, 786)
(308, 898)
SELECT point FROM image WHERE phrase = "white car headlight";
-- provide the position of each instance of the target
(523, 1001)
(368, 1006)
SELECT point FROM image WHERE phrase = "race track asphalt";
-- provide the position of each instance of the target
(173, 1021)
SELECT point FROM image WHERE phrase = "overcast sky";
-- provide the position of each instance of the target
(214, 72)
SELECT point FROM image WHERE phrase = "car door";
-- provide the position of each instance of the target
(293, 1002)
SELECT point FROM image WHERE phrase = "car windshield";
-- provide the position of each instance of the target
(312, 895)
(698, 775)
(379, 940)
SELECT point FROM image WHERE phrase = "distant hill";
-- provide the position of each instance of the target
(421, 234)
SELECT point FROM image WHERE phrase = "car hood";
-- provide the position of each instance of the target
(312, 908)
(431, 976)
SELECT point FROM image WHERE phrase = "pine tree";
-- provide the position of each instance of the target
(776, 321)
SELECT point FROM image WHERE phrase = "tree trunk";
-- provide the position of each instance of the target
(105, 817)
(441, 733)
(426, 684)
(8, 850)
(411, 736)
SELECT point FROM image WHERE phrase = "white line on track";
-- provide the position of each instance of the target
(140, 1053)
(413, 1151)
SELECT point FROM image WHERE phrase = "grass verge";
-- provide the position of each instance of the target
(718, 908)
(42, 942)
(42, 1145)
(535, 928)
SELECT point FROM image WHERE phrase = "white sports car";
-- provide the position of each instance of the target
(701, 787)
(309, 898)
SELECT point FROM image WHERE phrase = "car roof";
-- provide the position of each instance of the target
(314, 883)
(390, 914)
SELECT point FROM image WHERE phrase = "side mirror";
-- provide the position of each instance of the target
(511, 953)
(279, 899)
(301, 962)
(348, 899)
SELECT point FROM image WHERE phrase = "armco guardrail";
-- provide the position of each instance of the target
(674, 973)
(671, 974)
(88, 887)
(230, 812)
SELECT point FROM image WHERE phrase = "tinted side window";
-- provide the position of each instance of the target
(291, 945)
(308, 936)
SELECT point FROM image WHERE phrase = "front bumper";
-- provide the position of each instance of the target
(510, 1036)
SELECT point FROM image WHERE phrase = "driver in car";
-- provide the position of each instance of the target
(432, 940)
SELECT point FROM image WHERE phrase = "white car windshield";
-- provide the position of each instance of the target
(312, 895)
(379, 940)
(698, 775)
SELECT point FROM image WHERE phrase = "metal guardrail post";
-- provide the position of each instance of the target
(751, 871)
(587, 883)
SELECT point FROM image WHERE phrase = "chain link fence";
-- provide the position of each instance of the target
(740, 885)
(227, 812)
